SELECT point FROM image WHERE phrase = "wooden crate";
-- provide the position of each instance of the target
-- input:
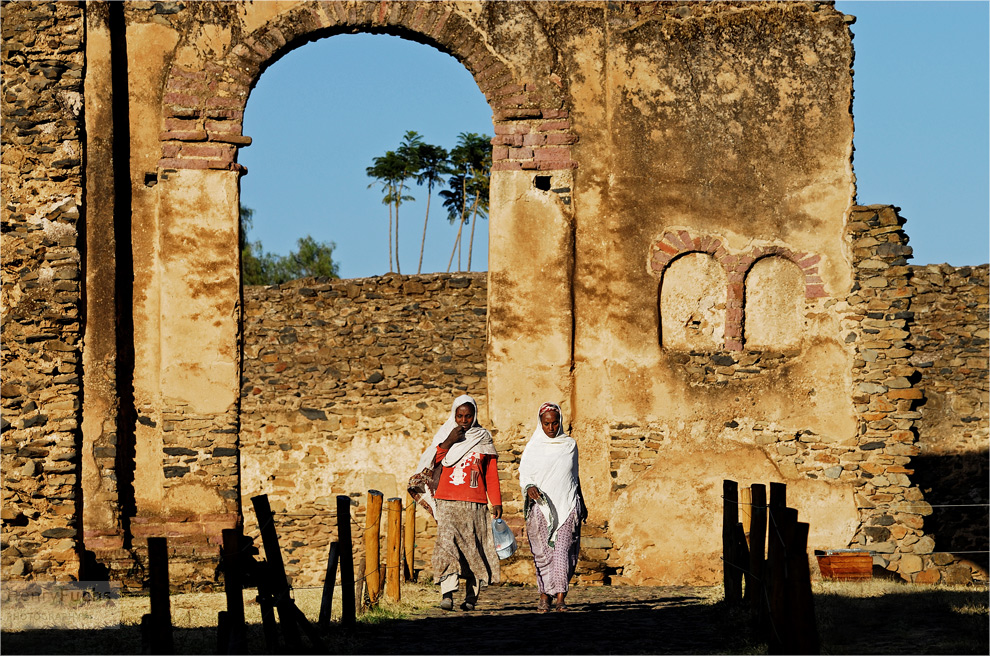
(845, 564)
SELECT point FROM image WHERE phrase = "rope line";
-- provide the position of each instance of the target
(895, 505)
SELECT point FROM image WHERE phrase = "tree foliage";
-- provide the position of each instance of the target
(311, 258)
(468, 166)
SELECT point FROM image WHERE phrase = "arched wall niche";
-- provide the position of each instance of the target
(774, 304)
(692, 304)
(675, 243)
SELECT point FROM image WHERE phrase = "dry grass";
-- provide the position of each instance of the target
(890, 617)
(194, 618)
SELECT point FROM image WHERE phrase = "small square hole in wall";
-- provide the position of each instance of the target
(542, 182)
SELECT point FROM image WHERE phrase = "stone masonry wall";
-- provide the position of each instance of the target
(949, 338)
(42, 70)
(903, 315)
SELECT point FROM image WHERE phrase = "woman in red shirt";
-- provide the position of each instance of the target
(456, 477)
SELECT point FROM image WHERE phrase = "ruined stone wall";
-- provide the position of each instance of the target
(949, 339)
(674, 256)
(42, 153)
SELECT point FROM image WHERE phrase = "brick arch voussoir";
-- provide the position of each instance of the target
(814, 286)
(203, 109)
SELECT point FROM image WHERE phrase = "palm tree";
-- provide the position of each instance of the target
(455, 200)
(480, 185)
(431, 163)
(390, 172)
(471, 168)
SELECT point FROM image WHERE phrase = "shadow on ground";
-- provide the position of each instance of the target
(602, 621)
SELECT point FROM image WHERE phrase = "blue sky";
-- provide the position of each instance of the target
(921, 115)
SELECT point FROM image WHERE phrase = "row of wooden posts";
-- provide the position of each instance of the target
(765, 566)
(241, 570)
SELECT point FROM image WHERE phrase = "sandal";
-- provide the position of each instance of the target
(543, 606)
(447, 603)
(561, 608)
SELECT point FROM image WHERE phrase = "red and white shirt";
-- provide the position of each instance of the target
(474, 478)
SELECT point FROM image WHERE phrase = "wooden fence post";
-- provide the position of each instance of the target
(778, 495)
(234, 589)
(266, 603)
(372, 544)
(746, 509)
(731, 576)
(348, 617)
(393, 574)
(756, 594)
(409, 538)
(360, 583)
(801, 600)
(276, 572)
(782, 524)
(326, 603)
(160, 624)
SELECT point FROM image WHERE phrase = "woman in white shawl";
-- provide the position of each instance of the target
(455, 479)
(553, 505)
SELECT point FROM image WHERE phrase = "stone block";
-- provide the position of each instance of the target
(909, 564)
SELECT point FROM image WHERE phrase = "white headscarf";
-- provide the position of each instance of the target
(476, 440)
(551, 464)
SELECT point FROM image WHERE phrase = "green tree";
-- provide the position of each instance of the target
(390, 172)
(429, 164)
(470, 165)
(311, 259)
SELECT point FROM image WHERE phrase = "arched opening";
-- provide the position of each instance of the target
(345, 380)
(774, 304)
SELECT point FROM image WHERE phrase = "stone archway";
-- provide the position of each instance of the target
(187, 460)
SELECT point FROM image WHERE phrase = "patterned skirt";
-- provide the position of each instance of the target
(465, 546)
(554, 565)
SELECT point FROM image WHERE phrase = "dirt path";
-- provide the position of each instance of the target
(600, 620)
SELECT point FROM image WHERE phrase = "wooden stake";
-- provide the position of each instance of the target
(326, 603)
(267, 605)
(409, 538)
(234, 589)
(756, 594)
(276, 572)
(393, 586)
(746, 509)
(359, 585)
(782, 523)
(372, 546)
(731, 577)
(801, 600)
(348, 618)
(161, 612)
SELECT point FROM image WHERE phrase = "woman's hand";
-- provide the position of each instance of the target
(533, 493)
(497, 512)
(456, 435)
